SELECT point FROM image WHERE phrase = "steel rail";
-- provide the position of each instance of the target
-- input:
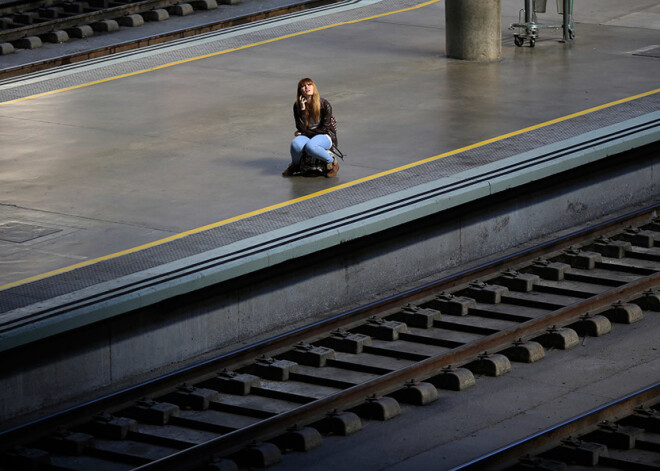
(388, 383)
(551, 437)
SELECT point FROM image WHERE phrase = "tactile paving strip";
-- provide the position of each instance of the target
(199, 243)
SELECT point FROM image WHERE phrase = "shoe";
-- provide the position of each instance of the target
(290, 170)
(332, 169)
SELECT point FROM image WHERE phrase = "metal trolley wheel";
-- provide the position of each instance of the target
(519, 39)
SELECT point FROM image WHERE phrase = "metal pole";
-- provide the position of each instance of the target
(566, 19)
(529, 7)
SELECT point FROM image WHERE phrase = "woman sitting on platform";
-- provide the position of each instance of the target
(316, 131)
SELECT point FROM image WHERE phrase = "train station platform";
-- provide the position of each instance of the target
(125, 173)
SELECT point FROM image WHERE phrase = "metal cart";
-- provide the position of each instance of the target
(528, 27)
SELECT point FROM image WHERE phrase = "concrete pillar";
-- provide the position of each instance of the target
(474, 29)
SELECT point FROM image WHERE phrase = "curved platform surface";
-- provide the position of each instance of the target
(143, 164)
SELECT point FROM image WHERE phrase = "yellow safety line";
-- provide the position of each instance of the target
(319, 193)
(213, 54)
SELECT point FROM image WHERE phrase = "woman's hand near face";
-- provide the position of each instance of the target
(303, 100)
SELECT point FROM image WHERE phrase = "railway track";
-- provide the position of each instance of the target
(246, 406)
(25, 19)
(624, 434)
(27, 25)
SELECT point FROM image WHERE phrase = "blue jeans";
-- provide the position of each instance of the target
(316, 147)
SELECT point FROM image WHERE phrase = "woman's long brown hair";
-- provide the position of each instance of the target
(313, 109)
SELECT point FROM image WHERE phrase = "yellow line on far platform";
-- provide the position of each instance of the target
(319, 193)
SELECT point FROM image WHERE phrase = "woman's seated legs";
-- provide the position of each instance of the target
(318, 147)
(297, 146)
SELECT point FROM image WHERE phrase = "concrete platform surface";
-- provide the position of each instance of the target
(112, 154)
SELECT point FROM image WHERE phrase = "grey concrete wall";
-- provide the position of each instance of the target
(150, 341)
